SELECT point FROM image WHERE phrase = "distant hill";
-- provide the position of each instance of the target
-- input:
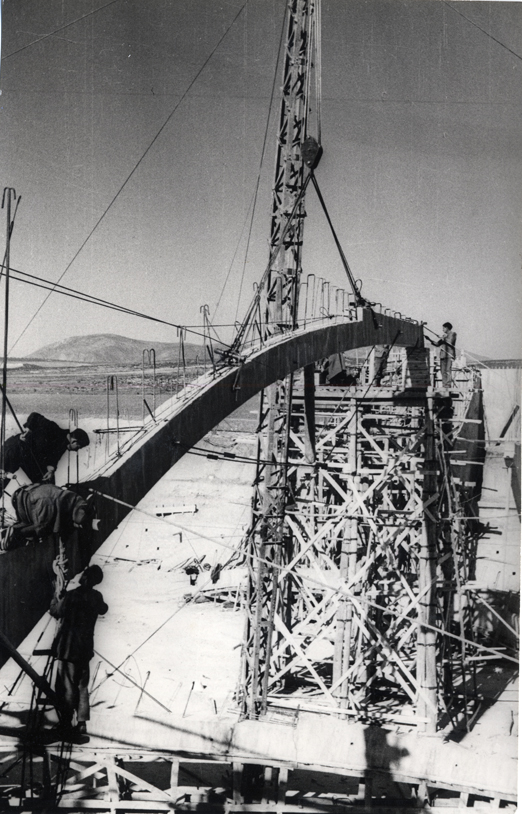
(111, 349)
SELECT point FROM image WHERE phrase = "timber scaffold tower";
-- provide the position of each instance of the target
(360, 543)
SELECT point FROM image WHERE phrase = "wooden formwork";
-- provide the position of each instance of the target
(110, 780)
(358, 570)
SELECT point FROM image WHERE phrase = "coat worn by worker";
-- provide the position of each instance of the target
(42, 508)
(42, 444)
(78, 610)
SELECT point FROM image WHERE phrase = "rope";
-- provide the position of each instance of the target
(57, 30)
(359, 300)
(306, 578)
(66, 291)
(273, 254)
(318, 68)
(482, 29)
(263, 149)
(134, 169)
(89, 298)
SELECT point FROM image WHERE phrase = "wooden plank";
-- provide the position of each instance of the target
(237, 778)
(174, 778)
(282, 785)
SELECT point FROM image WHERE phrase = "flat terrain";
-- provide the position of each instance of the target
(55, 390)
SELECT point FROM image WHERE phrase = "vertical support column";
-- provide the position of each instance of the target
(309, 413)
(174, 779)
(282, 786)
(8, 196)
(426, 640)
(237, 781)
(266, 596)
(347, 567)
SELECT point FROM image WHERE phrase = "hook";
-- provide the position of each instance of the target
(10, 194)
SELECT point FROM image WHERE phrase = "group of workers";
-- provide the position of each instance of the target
(41, 507)
(44, 509)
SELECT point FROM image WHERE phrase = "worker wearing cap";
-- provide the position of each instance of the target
(38, 449)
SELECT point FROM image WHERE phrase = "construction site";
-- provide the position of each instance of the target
(317, 613)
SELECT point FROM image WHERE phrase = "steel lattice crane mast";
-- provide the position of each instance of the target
(297, 151)
(350, 506)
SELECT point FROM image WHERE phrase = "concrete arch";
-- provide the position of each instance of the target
(181, 423)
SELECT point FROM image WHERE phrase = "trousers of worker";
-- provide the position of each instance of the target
(72, 685)
(446, 364)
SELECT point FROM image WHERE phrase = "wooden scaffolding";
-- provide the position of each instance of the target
(358, 589)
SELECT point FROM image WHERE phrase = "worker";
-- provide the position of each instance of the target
(73, 647)
(43, 509)
(39, 447)
(447, 352)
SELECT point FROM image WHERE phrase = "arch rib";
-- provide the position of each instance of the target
(181, 423)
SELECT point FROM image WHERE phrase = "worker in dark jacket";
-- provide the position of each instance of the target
(39, 447)
(73, 646)
(43, 509)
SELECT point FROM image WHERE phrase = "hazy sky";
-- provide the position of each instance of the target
(421, 169)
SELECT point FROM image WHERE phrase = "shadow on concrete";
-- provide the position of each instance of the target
(382, 758)
(483, 689)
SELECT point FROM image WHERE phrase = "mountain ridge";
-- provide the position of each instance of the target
(109, 348)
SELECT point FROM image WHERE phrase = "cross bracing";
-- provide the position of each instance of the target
(369, 551)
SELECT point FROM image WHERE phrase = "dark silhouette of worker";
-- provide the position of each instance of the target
(38, 449)
(73, 647)
(43, 509)
(332, 371)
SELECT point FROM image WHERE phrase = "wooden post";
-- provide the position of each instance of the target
(268, 784)
(37, 679)
(237, 777)
(282, 786)
(309, 413)
(426, 637)
(347, 567)
(174, 779)
(112, 780)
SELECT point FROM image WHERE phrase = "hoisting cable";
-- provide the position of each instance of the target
(49, 285)
(336, 591)
(357, 294)
(134, 169)
(8, 197)
(61, 28)
(273, 254)
(318, 66)
(261, 160)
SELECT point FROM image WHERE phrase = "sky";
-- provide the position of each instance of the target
(133, 132)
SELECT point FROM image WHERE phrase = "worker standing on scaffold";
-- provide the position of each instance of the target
(447, 344)
(73, 647)
(39, 448)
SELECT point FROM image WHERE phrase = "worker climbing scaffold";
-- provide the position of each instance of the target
(78, 611)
